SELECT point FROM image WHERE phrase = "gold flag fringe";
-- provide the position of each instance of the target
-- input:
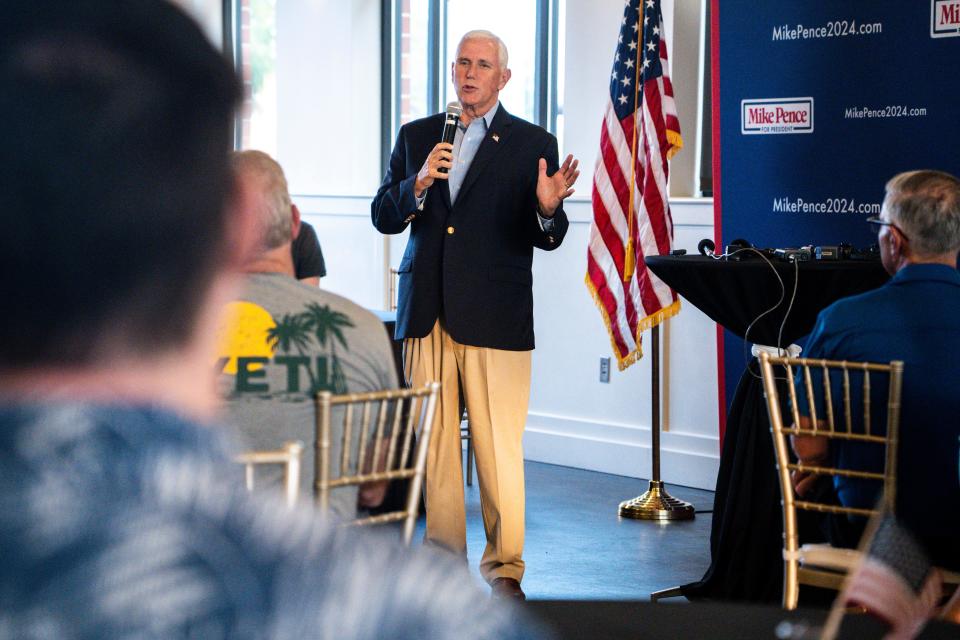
(647, 323)
(675, 139)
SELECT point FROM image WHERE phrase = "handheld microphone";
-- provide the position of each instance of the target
(450, 126)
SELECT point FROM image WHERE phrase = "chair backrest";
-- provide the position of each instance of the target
(289, 456)
(377, 434)
(832, 417)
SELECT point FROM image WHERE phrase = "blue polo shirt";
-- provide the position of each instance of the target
(915, 317)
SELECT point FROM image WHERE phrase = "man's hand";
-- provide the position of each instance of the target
(553, 189)
(810, 450)
(803, 482)
(440, 156)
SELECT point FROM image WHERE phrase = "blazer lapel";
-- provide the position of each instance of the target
(491, 145)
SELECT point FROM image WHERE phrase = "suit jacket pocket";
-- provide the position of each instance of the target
(507, 273)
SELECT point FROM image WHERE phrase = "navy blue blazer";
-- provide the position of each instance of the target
(471, 261)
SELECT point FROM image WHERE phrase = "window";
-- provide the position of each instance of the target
(421, 70)
(257, 127)
(513, 22)
(311, 73)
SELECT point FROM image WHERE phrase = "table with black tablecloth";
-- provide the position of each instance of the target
(746, 534)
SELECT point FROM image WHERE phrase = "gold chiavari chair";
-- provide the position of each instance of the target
(465, 434)
(822, 565)
(394, 288)
(370, 422)
(289, 456)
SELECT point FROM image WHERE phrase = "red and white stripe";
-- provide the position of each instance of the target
(644, 301)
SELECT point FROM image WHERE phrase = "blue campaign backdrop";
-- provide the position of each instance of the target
(820, 103)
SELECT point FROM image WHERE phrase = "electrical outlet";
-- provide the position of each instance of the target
(604, 369)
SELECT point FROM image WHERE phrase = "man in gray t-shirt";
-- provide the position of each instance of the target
(285, 341)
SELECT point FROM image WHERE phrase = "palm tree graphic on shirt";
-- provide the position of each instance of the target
(328, 324)
(292, 331)
(252, 337)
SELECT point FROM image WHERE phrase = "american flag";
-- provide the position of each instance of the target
(894, 581)
(631, 215)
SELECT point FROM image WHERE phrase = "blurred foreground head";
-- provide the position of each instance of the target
(115, 117)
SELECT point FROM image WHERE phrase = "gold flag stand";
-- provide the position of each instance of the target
(656, 503)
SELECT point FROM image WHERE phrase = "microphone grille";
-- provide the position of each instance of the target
(454, 108)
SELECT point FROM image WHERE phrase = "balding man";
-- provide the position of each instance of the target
(465, 300)
(915, 318)
(287, 340)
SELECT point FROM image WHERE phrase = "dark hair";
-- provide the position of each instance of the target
(114, 173)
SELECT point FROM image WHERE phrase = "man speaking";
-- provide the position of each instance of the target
(476, 209)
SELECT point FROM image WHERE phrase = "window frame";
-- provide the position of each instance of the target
(546, 65)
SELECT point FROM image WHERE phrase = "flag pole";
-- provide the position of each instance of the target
(656, 503)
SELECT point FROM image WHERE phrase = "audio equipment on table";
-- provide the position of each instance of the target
(737, 249)
(740, 249)
(706, 248)
(845, 251)
(802, 254)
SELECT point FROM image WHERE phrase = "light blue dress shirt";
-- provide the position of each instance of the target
(466, 142)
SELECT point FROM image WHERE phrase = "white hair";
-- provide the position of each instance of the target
(274, 209)
(926, 205)
(483, 34)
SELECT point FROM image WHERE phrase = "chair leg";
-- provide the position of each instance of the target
(672, 592)
(791, 585)
(469, 460)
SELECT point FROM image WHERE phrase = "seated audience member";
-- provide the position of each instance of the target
(122, 514)
(308, 264)
(893, 580)
(913, 318)
(286, 341)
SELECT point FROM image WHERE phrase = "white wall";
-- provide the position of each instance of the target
(578, 421)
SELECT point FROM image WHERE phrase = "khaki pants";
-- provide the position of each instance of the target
(496, 389)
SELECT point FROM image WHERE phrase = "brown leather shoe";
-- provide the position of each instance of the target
(506, 589)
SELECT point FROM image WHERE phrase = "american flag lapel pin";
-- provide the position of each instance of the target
(496, 138)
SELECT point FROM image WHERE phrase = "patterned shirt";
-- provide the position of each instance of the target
(132, 522)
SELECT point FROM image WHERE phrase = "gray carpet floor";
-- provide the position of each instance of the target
(578, 548)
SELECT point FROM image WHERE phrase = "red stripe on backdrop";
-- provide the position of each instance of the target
(717, 229)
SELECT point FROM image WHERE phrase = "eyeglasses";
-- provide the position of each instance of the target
(876, 223)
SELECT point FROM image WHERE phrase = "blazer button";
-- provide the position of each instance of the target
(450, 230)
